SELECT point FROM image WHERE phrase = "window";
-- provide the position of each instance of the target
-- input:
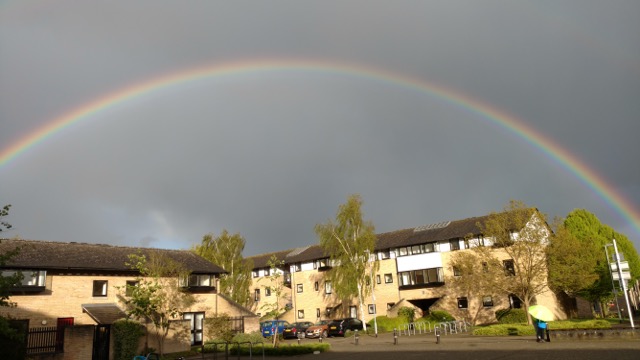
(300, 314)
(487, 301)
(327, 287)
(390, 305)
(321, 264)
(430, 247)
(255, 273)
(316, 287)
(32, 280)
(416, 249)
(267, 271)
(367, 281)
(388, 278)
(297, 267)
(509, 268)
(421, 277)
(197, 280)
(100, 287)
(456, 271)
(256, 295)
(299, 288)
(130, 287)
(318, 313)
(514, 302)
(377, 279)
(267, 291)
(372, 308)
(463, 303)
(402, 251)
(454, 244)
(385, 255)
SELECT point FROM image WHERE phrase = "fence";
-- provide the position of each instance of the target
(42, 340)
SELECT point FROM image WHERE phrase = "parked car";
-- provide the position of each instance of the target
(340, 327)
(318, 329)
(292, 331)
(271, 326)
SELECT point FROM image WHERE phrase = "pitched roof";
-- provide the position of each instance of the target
(50, 255)
(443, 231)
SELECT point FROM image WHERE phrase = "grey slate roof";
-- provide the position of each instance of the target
(52, 255)
(449, 230)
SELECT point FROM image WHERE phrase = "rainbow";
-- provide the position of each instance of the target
(493, 115)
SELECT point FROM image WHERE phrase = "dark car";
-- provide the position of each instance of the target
(271, 326)
(340, 327)
(292, 331)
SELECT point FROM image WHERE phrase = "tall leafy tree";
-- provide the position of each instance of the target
(348, 240)
(587, 228)
(522, 234)
(276, 286)
(225, 251)
(157, 296)
(572, 263)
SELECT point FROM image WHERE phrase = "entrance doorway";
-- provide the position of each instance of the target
(197, 324)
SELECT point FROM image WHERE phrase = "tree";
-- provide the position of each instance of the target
(157, 296)
(4, 212)
(348, 241)
(276, 287)
(476, 273)
(572, 263)
(226, 251)
(7, 282)
(587, 228)
(522, 234)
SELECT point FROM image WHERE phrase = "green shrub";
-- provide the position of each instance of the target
(282, 350)
(254, 337)
(218, 327)
(579, 324)
(409, 313)
(505, 330)
(126, 335)
(438, 316)
(511, 316)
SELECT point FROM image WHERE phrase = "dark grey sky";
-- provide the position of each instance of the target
(269, 154)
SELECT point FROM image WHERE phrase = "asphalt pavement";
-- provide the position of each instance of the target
(467, 347)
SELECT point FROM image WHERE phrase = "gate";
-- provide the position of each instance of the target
(101, 342)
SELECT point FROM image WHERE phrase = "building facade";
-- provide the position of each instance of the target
(84, 284)
(414, 269)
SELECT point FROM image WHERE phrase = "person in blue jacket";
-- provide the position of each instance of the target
(541, 327)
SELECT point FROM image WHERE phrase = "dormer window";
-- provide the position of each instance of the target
(204, 282)
(322, 264)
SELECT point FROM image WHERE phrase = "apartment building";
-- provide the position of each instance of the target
(414, 269)
(82, 284)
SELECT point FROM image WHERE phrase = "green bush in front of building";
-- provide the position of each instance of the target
(511, 316)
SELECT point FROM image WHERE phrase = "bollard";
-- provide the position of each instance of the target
(437, 332)
(320, 339)
(356, 337)
(395, 336)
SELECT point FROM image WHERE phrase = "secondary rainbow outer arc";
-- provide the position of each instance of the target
(495, 116)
